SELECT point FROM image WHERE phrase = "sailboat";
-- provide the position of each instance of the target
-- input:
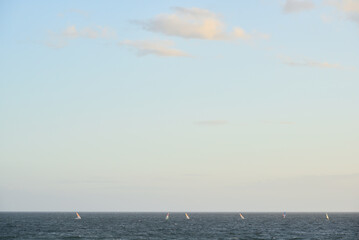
(187, 216)
(284, 214)
(167, 216)
(78, 216)
(241, 216)
(326, 215)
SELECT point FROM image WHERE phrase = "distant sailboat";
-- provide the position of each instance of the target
(241, 216)
(326, 215)
(78, 216)
(187, 216)
(284, 214)
(167, 216)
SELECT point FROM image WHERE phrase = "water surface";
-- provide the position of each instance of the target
(200, 226)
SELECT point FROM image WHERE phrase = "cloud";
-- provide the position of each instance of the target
(80, 12)
(74, 10)
(56, 43)
(70, 32)
(59, 40)
(308, 63)
(354, 18)
(326, 18)
(212, 122)
(304, 193)
(286, 122)
(158, 48)
(294, 6)
(193, 23)
(87, 32)
(349, 7)
(281, 123)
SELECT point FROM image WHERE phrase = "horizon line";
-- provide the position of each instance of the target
(29, 211)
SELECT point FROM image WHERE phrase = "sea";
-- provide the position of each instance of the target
(63, 225)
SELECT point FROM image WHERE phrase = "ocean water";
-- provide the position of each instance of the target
(200, 226)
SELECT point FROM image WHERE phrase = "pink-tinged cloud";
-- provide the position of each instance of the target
(60, 40)
(158, 48)
(88, 32)
(194, 23)
(308, 63)
(350, 8)
(347, 6)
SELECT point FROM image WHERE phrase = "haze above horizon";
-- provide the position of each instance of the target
(194, 106)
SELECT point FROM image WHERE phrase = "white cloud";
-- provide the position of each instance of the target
(293, 6)
(158, 48)
(193, 23)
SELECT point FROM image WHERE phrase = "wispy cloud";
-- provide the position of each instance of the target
(76, 11)
(194, 23)
(59, 40)
(308, 63)
(211, 122)
(327, 18)
(354, 18)
(56, 43)
(79, 11)
(88, 32)
(280, 122)
(158, 48)
(294, 6)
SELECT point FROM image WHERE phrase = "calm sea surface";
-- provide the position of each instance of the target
(200, 226)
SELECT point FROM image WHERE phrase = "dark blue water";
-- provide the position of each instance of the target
(200, 226)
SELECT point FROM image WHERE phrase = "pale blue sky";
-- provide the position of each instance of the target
(179, 105)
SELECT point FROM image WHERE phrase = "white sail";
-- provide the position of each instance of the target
(326, 215)
(187, 216)
(167, 216)
(241, 216)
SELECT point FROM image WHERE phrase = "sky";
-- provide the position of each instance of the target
(179, 105)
